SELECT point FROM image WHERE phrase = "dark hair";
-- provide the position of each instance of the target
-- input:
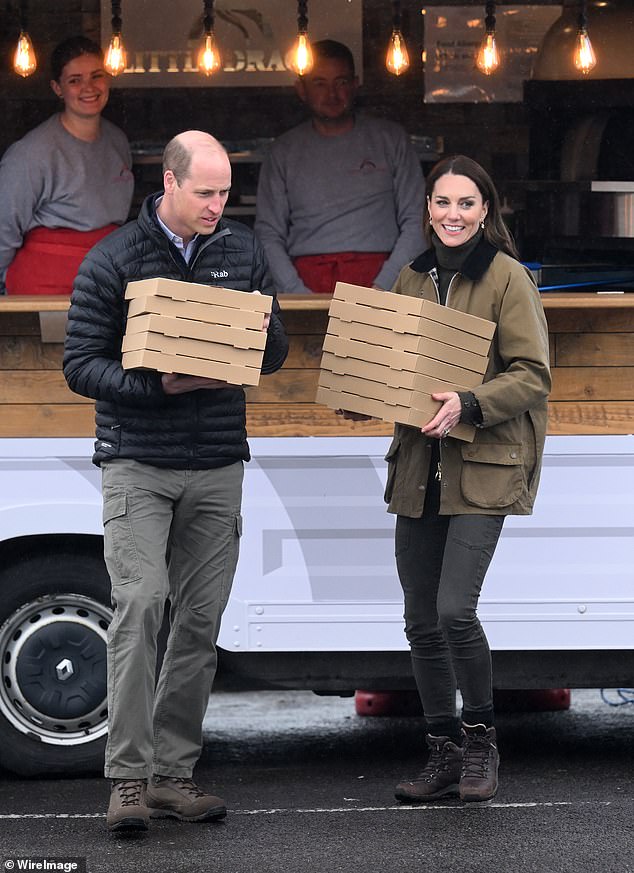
(330, 48)
(495, 230)
(68, 50)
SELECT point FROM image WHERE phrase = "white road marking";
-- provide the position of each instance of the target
(458, 806)
(419, 807)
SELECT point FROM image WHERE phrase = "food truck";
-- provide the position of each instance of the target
(316, 603)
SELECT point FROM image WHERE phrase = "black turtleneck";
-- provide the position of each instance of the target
(449, 260)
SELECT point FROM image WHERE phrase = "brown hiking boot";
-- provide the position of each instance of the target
(440, 776)
(480, 761)
(169, 797)
(127, 810)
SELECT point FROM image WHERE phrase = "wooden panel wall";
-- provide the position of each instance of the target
(34, 398)
(592, 359)
(592, 356)
(282, 404)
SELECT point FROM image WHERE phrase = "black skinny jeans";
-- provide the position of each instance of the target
(442, 561)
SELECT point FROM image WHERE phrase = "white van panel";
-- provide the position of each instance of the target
(316, 570)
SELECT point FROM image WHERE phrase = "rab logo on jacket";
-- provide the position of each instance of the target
(219, 274)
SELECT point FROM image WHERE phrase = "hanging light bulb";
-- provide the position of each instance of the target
(24, 60)
(209, 60)
(397, 58)
(584, 56)
(300, 57)
(488, 58)
(115, 55)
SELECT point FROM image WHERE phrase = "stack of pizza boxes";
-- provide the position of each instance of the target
(385, 354)
(195, 330)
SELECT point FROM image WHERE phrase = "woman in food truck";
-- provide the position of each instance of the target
(67, 183)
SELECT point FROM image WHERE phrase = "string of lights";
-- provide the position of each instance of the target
(299, 58)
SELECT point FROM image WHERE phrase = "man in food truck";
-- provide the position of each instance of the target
(340, 197)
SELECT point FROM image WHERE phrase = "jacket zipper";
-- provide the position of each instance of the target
(204, 245)
(433, 275)
(187, 275)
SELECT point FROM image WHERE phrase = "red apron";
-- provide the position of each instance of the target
(320, 273)
(49, 259)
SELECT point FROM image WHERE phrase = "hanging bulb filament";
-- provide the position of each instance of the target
(115, 56)
(397, 59)
(488, 59)
(209, 60)
(24, 60)
(584, 56)
(301, 55)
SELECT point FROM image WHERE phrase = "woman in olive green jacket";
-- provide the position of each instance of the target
(451, 497)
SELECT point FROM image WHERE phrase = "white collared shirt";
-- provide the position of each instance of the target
(179, 242)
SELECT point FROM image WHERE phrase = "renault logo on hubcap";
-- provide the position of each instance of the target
(64, 669)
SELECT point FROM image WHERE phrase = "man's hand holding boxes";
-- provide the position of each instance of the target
(386, 354)
(195, 330)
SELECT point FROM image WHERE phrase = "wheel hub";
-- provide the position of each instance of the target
(54, 669)
(64, 669)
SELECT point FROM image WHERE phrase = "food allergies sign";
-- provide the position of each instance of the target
(452, 38)
(162, 39)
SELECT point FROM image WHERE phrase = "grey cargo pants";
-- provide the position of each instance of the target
(167, 534)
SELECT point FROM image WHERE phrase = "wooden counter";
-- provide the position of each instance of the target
(591, 344)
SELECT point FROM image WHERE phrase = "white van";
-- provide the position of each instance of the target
(316, 602)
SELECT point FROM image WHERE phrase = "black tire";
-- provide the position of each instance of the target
(54, 614)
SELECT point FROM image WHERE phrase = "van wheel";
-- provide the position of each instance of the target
(54, 615)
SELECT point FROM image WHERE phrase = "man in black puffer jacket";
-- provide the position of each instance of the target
(171, 450)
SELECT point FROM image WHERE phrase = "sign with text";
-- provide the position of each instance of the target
(162, 40)
(453, 35)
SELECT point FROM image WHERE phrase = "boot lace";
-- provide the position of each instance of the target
(435, 763)
(130, 792)
(475, 758)
(190, 787)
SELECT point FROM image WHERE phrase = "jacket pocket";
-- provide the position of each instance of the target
(120, 550)
(492, 474)
(108, 442)
(392, 460)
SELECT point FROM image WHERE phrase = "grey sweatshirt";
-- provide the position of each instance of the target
(361, 191)
(49, 178)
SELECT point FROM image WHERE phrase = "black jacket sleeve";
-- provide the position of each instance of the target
(276, 349)
(94, 333)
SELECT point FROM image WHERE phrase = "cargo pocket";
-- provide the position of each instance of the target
(492, 475)
(231, 559)
(120, 552)
(392, 459)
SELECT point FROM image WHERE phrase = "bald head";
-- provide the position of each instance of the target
(180, 150)
(196, 183)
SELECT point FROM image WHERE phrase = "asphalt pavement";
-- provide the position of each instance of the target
(308, 784)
